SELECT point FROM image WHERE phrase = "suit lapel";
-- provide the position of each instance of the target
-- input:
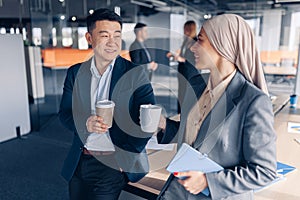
(118, 71)
(213, 123)
(83, 85)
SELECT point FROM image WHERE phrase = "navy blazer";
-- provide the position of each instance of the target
(129, 88)
(238, 134)
(138, 54)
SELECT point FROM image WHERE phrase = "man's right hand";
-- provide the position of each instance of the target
(94, 124)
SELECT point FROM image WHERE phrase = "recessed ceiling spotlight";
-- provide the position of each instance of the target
(62, 17)
(61, 1)
(91, 11)
(207, 16)
(277, 5)
(73, 18)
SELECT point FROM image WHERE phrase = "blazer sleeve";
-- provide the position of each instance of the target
(259, 150)
(170, 133)
(130, 93)
(134, 56)
(137, 54)
(65, 110)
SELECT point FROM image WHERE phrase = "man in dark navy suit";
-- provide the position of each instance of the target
(102, 160)
(139, 53)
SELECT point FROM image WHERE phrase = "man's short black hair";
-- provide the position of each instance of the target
(189, 23)
(102, 14)
(138, 27)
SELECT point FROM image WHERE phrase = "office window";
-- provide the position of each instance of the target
(54, 39)
(2, 30)
(12, 31)
(24, 33)
(67, 39)
(37, 36)
(82, 43)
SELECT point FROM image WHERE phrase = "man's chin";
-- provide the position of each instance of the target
(111, 57)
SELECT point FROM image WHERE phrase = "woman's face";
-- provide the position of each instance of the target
(205, 55)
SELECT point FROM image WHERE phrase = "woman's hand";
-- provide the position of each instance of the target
(194, 181)
(94, 124)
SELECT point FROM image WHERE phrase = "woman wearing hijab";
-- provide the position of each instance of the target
(231, 122)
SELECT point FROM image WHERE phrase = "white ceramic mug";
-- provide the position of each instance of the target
(149, 117)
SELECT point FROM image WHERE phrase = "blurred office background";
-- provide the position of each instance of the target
(40, 39)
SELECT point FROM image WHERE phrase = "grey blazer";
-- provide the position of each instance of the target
(238, 134)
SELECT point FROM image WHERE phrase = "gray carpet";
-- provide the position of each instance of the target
(30, 167)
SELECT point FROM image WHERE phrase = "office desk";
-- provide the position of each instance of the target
(279, 103)
(280, 71)
(288, 151)
(280, 74)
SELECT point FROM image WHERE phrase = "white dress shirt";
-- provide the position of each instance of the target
(100, 85)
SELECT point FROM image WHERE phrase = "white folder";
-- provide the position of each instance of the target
(189, 159)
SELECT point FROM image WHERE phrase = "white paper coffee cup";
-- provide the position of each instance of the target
(105, 109)
(149, 117)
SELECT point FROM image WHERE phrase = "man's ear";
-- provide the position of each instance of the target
(88, 37)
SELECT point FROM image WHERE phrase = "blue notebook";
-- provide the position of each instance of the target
(283, 169)
(189, 159)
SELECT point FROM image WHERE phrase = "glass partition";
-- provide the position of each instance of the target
(57, 27)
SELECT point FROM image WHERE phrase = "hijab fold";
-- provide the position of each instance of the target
(233, 39)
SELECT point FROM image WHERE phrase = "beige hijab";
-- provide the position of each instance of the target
(233, 38)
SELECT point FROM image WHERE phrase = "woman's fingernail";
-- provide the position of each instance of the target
(175, 173)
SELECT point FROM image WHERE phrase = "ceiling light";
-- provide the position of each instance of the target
(118, 10)
(62, 17)
(277, 5)
(73, 18)
(207, 16)
(91, 11)
(286, 1)
(141, 4)
(61, 1)
(2, 30)
(160, 3)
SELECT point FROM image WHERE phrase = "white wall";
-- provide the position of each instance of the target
(14, 106)
(176, 35)
(35, 80)
(294, 32)
(161, 20)
(271, 27)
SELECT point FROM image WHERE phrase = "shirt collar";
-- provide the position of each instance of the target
(94, 69)
(221, 86)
